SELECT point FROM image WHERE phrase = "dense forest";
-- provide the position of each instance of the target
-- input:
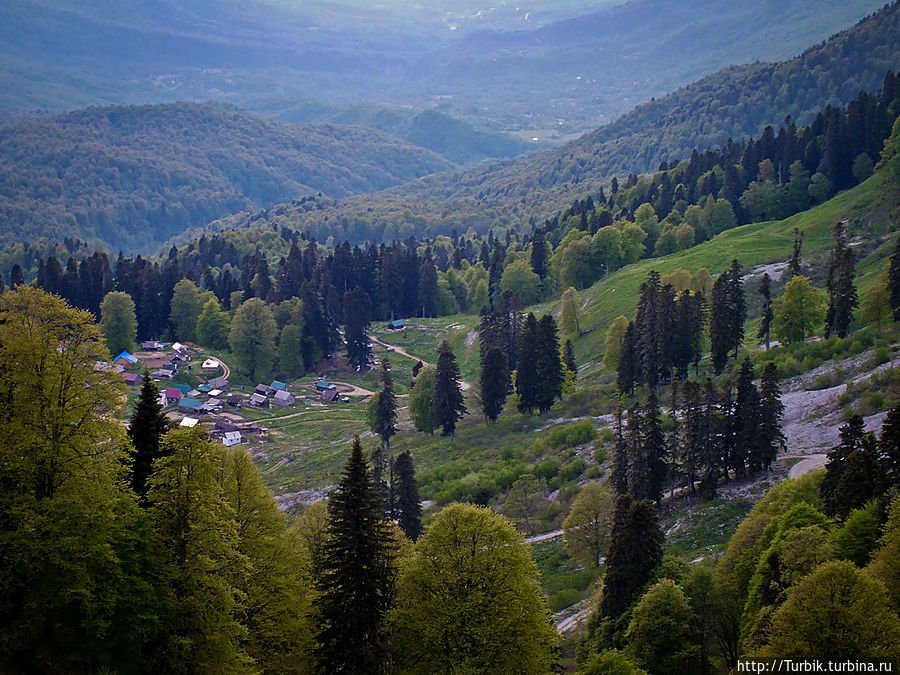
(131, 177)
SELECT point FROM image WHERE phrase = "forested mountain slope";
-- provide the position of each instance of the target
(131, 177)
(733, 103)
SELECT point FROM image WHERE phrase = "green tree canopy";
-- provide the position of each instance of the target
(252, 339)
(799, 310)
(588, 526)
(118, 322)
(213, 325)
(469, 600)
(187, 303)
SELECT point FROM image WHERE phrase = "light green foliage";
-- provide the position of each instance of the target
(290, 357)
(518, 277)
(573, 261)
(77, 553)
(834, 613)
(679, 279)
(200, 545)
(611, 662)
(525, 499)
(213, 325)
(876, 303)
(658, 633)
(885, 565)
(799, 310)
(187, 303)
(615, 341)
(646, 218)
(890, 156)
(469, 600)
(252, 339)
(606, 249)
(568, 318)
(819, 188)
(632, 243)
(588, 525)
(274, 581)
(858, 536)
(420, 399)
(118, 322)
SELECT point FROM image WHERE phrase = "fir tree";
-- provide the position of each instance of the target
(495, 375)
(794, 267)
(357, 307)
(408, 505)
(447, 405)
(719, 333)
(626, 374)
(746, 422)
(771, 411)
(382, 475)
(737, 306)
(356, 588)
(851, 471)
(636, 548)
(765, 320)
(710, 449)
(549, 364)
(894, 280)
(528, 376)
(619, 476)
(654, 449)
(842, 297)
(889, 445)
(386, 412)
(148, 424)
(539, 253)
(568, 358)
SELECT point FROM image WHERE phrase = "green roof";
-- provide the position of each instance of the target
(189, 403)
(184, 388)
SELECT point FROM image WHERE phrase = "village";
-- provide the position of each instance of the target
(194, 389)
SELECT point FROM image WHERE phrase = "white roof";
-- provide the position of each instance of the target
(215, 393)
(282, 394)
(189, 422)
(210, 363)
(178, 346)
(232, 438)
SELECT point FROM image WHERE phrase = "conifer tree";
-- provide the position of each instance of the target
(794, 267)
(539, 253)
(746, 423)
(719, 333)
(894, 280)
(889, 445)
(842, 297)
(386, 407)
(619, 475)
(495, 375)
(528, 376)
(357, 315)
(765, 319)
(410, 508)
(710, 452)
(148, 424)
(447, 406)
(654, 449)
(737, 306)
(568, 358)
(771, 411)
(626, 374)
(356, 588)
(549, 364)
(635, 550)
(851, 471)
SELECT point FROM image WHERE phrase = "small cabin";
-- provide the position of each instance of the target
(396, 324)
(283, 398)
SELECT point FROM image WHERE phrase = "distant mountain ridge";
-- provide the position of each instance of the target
(132, 177)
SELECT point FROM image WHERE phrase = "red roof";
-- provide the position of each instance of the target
(174, 393)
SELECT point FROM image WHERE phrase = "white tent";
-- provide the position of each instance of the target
(189, 422)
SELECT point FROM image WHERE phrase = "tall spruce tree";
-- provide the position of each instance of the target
(850, 471)
(386, 410)
(737, 306)
(636, 548)
(654, 449)
(746, 423)
(357, 309)
(765, 319)
(148, 424)
(794, 268)
(842, 297)
(447, 406)
(771, 410)
(539, 253)
(528, 376)
(626, 375)
(719, 333)
(894, 281)
(495, 375)
(619, 476)
(356, 587)
(549, 364)
(409, 507)
(568, 358)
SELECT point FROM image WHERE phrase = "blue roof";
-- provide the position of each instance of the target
(278, 385)
(324, 384)
(204, 388)
(186, 402)
(184, 388)
(127, 356)
(397, 323)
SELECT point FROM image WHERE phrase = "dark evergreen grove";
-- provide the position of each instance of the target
(358, 571)
(408, 503)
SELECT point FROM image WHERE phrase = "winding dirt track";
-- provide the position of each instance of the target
(400, 350)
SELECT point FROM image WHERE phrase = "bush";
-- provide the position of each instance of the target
(547, 469)
(882, 356)
(564, 598)
(564, 436)
(573, 470)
